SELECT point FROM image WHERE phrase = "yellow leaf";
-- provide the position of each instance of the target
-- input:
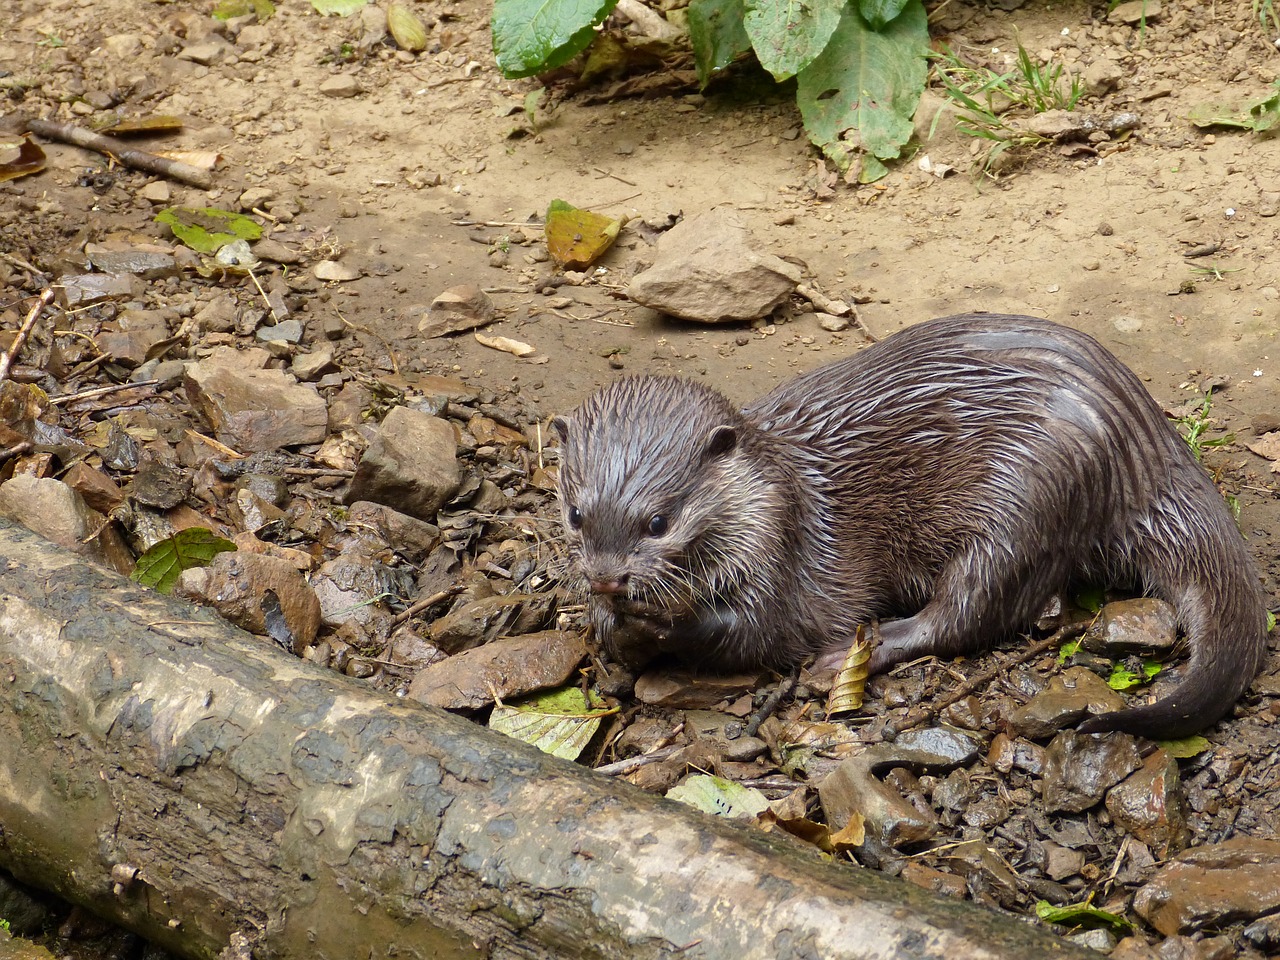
(850, 681)
(577, 238)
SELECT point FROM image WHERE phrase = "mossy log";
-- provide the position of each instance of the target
(209, 791)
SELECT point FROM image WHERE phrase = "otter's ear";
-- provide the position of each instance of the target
(562, 426)
(720, 441)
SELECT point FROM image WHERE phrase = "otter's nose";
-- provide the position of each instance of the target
(611, 585)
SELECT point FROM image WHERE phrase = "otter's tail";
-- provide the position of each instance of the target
(1209, 577)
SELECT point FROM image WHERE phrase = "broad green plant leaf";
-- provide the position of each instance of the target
(1122, 678)
(1260, 115)
(717, 35)
(160, 566)
(880, 13)
(208, 230)
(560, 723)
(719, 797)
(1186, 748)
(533, 36)
(1082, 915)
(859, 95)
(789, 34)
(230, 9)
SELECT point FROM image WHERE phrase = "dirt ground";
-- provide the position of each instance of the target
(430, 176)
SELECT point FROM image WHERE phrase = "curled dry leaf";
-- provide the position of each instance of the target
(506, 345)
(407, 29)
(851, 679)
(29, 159)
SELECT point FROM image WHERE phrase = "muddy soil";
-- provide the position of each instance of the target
(426, 173)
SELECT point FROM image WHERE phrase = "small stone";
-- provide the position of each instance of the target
(289, 331)
(1098, 939)
(157, 193)
(1080, 768)
(1070, 697)
(341, 86)
(309, 367)
(57, 512)
(86, 289)
(1143, 625)
(251, 408)
(831, 323)
(236, 584)
(123, 46)
(335, 272)
(207, 52)
(277, 252)
(256, 197)
(1135, 12)
(1211, 885)
(412, 464)
(1150, 805)
(459, 308)
(1103, 75)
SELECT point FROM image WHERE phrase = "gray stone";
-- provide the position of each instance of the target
(289, 331)
(1079, 769)
(1143, 625)
(1102, 76)
(341, 86)
(460, 308)
(1135, 11)
(58, 513)
(411, 465)
(706, 270)
(253, 409)
(1071, 696)
(86, 289)
(309, 367)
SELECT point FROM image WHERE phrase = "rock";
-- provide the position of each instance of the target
(1151, 805)
(236, 584)
(99, 491)
(255, 197)
(1135, 12)
(1079, 769)
(137, 331)
(1144, 625)
(506, 668)
(139, 261)
(309, 367)
(411, 465)
(159, 485)
(1005, 754)
(331, 271)
(1071, 696)
(460, 308)
(207, 52)
(1133, 948)
(1212, 886)
(484, 620)
(157, 193)
(348, 588)
(853, 787)
(123, 46)
(706, 270)
(277, 252)
(253, 409)
(1102, 76)
(55, 511)
(341, 86)
(1097, 939)
(86, 289)
(287, 331)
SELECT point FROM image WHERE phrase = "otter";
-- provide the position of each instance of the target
(947, 482)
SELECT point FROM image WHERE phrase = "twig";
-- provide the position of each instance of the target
(924, 714)
(17, 448)
(318, 472)
(619, 767)
(20, 340)
(771, 703)
(100, 392)
(430, 601)
(121, 152)
(19, 262)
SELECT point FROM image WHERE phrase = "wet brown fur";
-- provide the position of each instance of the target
(958, 474)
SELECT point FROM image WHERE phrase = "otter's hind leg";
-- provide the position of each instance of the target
(987, 590)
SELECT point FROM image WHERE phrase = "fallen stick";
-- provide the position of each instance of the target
(20, 338)
(121, 152)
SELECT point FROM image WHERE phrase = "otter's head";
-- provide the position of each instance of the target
(656, 492)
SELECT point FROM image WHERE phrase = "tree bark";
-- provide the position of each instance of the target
(256, 795)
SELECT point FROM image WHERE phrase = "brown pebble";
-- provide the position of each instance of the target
(1105, 229)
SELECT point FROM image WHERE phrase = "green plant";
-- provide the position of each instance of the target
(1195, 425)
(859, 65)
(1268, 19)
(988, 100)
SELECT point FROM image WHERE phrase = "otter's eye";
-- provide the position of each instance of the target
(657, 525)
(575, 517)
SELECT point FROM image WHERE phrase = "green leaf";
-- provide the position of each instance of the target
(337, 8)
(1185, 748)
(1068, 650)
(1081, 915)
(719, 797)
(533, 36)
(208, 230)
(859, 95)
(717, 35)
(160, 566)
(789, 34)
(560, 723)
(1122, 678)
(1256, 115)
(230, 9)
(880, 13)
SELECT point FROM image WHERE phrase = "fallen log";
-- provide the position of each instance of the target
(195, 784)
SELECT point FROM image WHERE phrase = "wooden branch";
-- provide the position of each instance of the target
(20, 338)
(121, 152)
(195, 784)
